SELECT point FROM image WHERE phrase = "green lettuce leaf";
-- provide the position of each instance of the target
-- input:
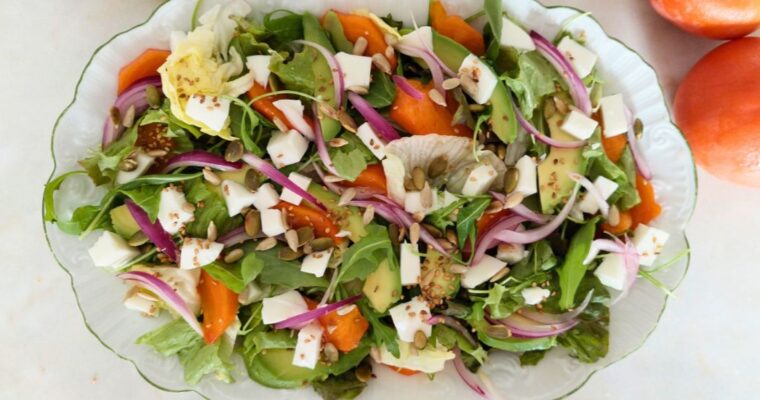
(535, 79)
(363, 257)
(214, 209)
(467, 218)
(341, 387)
(274, 271)
(381, 334)
(572, 271)
(382, 91)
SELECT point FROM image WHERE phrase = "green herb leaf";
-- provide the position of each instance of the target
(147, 197)
(532, 357)
(467, 218)
(229, 275)
(213, 209)
(534, 80)
(349, 161)
(283, 30)
(363, 257)
(382, 334)
(342, 387)
(440, 217)
(297, 73)
(382, 91)
(449, 338)
(282, 273)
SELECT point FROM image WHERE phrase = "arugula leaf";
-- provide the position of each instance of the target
(572, 271)
(382, 334)
(534, 80)
(382, 91)
(297, 73)
(147, 197)
(589, 341)
(349, 161)
(532, 357)
(282, 273)
(467, 218)
(213, 209)
(541, 258)
(283, 30)
(627, 195)
(623, 173)
(440, 217)
(84, 217)
(504, 299)
(492, 10)
(342, 387)
(363, 257)
(449, 338)
(102, 166)
(518, 345)
(229, 275)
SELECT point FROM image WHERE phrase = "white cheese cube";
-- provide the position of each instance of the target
(300, 181)
(583, 59)
(394, 177)
(141, 304)
(410, 317)
(479, 180)
(196, 253)
(534, 295)
(612, 272)
(614, 115)
(413, 203)
(421, 38)
(259, 65)
(410, 264)
(357, 70)
(173, 209)
(281, 307)
(514, 36)
(316, 262)
(478, 80)
(579, 125)
(144, 162)
(110, 250)
(482, 271)
(211, 111)
(526, 183)
(250, 294)
(649, 243)
(273, 222)
(308, 346)
(293, 111)
(286, 148)
(236, 196)
(511, 253)
(370, 139)
(266, 197)
(605, 187)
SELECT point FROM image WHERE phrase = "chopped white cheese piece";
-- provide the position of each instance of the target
(357, 70)
(260, 67)
(514, 36)
(173, 210)
(420, 38)
(266, 197)
(371, 140)
(612, 272)
(583, 59)
(111, 250)
(649, 243)
(308, 346)
(236, 196)
(579, 125)
(196, 253)
(479, 180)
(394, 177)
(137, 302)
(273, 222)
(413, 203)
(482, 271)
(477, 78)
(534, 295)
(286, 148)
(410, 317)
(316, 262)
(281, 307)
(613, 115)
(605, 187)
(428, 360)
(526, 182)
(511, 253)
(211, 111)
(410, 264)
(301, 181)
(293, 111)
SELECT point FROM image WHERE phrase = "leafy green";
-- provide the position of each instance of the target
(534, 80)
(541, 258)
(335, 29)
(518, 345)
(147, 197)
(623, 173)
(283, 30)
(467, 218)
(229, 275)
(171, 338)
(275, 271)
(297, 73)
(532, 357)
(49, 195)
(382, 91)
(349, 161)
(628, 193)
(342, 387)
(493, 13)
(449, 338)
(440, 217)
(102, 166)
(213, 209)
(363, 257)
(572, 271)
(382, 334)
(589, 340)
(504, 299)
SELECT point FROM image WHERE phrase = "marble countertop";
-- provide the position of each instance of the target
(704, 347)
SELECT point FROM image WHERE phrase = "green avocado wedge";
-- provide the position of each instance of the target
(325, 87)
(503, 121)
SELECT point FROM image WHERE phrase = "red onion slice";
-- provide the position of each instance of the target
(631, 263)
(319, 140)
(610, 246)
(534, 235)
(201, 158)
(592, 191)
(404, 85)
(134, 96)
(375, 120)
(154, 231)
(452, 323)
(166, 293)
(433, 66)
(578, 90)
(274, 174)
(528, 126)
(301, 320)
(488, 239)
(337, 72)
(557, 319)
(234, 237)
(467, 376)
(522, 210)
(525, 328)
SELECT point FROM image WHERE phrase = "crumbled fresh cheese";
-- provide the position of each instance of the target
(394, 178)
(260, 67)
(413, 203)
(111, 250)
(144, 162)
(514, 36)
(605, 187)
(183, 281)
(511, 253)
(612, 272)
(410, 317)
(308, 346)
(250, 294)
(370, 139)
(649, 243)
(236, 196)
(535, 295)
(316, 262)
(479, 180)
(266, 197)
(196, 253)
(173, 210)
(209, 110)
(482, 271)
(410, 264)
(526, 182)
(430, 360)
(478, 80)
(583, 59)
(357, 70)
(137, 300)
(287, 148)
(293, 111)
(613, 115)
(579, 125)
(421, 38)
(273, 222)
(300, 181)
(281, 307)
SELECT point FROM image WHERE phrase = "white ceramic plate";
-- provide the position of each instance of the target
(99, 294)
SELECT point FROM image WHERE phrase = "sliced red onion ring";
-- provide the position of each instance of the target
(527, 328)
(578, 90)
(274, 174)
(201, 158)
(165, 293)
(234, 237)
(557, 319)
(337, 72)
(404, 85)
(467, 376)
(319, 140)
(407, 221)
(528, 126)
(534, 235)
(433, 66)
(522, 210)
(631, 263)
(134, 96)
(452, 323)
(592, 191)
(301, 320)
(607, 245)
(488, 239)
(375, 120)
(154, 231)
(329, 185)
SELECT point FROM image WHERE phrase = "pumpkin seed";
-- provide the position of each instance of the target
(494, 207)
(381, 63)
(438, 166)
(408, 184)
(358, 89)
(157, 153)
(451, 235)
(115, 115)
(499, 275)
(613, 217)
(266, 244)
(451, 83)
(513, 200)
(138, 239)
(418, 178)
(393, 234)
(360, 46)
(420, 340)
(286, 254)
(291, 237)
(234, 151)
(321, 244)
(129, 117)
(346, 121)
(331, 353)
(437, 97)
(369, 215)
(337, 142)
(498, 332)
(233, 256)
(252, 223)
(153, 95)
(252, 180)
(638, 128)
(305, 235)
(511, 178)
(433, 230)
(128, 165)
(426, 196)
(501, 151)
(363, 372)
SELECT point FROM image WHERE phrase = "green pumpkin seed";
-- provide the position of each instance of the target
(286, 254)
(438, 166)
(321, 244)
(305, 235)
(153, 95)
(252, 223)
(234, 151)
(420, 340)
(511, 177)
(638, 128)
(331, 353)
(394, 234)
(498, 332)
(252, 180)
(418, 178)
(363, 372)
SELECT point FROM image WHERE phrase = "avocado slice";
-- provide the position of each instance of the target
(325, 87)
(123, 222)
(383, 287)
(554, 183)
(503, 121)
(444, 284)
(348, 218)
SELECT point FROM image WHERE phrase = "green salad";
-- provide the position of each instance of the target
(326, 195)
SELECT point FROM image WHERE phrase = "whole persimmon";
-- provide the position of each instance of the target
(718, 108)
(716, 19)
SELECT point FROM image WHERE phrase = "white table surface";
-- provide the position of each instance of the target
(704, 348)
